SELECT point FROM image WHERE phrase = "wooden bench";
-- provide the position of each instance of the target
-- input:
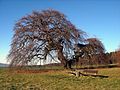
(87, 72)
(76, 73)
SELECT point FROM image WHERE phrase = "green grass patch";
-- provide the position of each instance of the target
(59, 80)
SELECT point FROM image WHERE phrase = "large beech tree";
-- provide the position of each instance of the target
(41, 36)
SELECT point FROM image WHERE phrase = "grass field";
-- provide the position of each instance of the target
(58, 80)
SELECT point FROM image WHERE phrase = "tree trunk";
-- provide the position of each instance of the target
(61, 57)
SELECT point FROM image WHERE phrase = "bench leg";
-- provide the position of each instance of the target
(77, 74)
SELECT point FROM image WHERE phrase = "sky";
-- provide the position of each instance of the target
(98, 18)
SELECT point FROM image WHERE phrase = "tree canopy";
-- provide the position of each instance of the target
(43, 36)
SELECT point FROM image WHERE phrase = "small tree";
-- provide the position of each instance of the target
(42, 36)
(93, 51)
(117, 56)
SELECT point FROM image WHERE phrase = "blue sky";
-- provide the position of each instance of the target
(99, 18)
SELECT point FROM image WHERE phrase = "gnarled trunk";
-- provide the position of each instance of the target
(61, 56)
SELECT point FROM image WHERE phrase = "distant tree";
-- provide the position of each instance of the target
(117, 55)
(92, 51)
(42, 36)
(111, 57)
(114, 57)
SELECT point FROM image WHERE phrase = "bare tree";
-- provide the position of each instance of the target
(93, 51)
(118, 57)
(114, 57)
(42, 35)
